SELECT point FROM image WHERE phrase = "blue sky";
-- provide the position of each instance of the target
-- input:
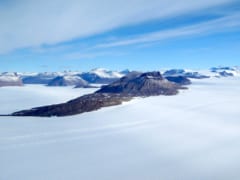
(135, 34)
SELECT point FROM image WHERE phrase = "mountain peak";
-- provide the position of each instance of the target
(145, 84)
(68, 80)
(133, 85)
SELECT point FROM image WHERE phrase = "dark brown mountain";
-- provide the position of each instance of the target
(133, 85)
(146, 84)
(79, 105)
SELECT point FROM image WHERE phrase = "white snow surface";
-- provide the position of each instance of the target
(72, 78)
(9, 77)
(193, 135)
(106, 73)
(29, 96)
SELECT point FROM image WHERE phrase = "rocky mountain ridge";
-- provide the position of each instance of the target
(132, 85)
(73, 80)
(103, 76)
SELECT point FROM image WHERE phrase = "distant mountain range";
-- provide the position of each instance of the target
(226, 71)
(103, 76)
(184, 73)
(67, 78)
(73, 80)
(133, 84)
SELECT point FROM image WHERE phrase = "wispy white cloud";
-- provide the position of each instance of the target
(28, 23)
(91, 55)
(227, 23)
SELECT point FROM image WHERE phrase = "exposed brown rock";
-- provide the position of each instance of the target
(133, 85)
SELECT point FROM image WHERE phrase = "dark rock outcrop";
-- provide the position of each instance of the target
(195, 75)
(225, 74)
(174, 72)
(94, 78)
(133, 85)
(226, 71)
(182, 72)
(86, 86)
(217, 69)
(146, 84)
(181, 80)
(86, 103)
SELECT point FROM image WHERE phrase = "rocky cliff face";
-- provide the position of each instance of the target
(146, 84)
(133, 85)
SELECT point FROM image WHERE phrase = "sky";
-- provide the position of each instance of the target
(81, 35)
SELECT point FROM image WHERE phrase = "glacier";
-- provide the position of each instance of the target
(193, 135)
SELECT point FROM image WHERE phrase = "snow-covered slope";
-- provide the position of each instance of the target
(184, 73)
(194, 135)
(98, 75)
(10, 79)
(101, 75)
(199, 74)
(28, 96)
(106, 73)
(68, 80)
(40, 78)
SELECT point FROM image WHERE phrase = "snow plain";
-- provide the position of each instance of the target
(193, 135)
